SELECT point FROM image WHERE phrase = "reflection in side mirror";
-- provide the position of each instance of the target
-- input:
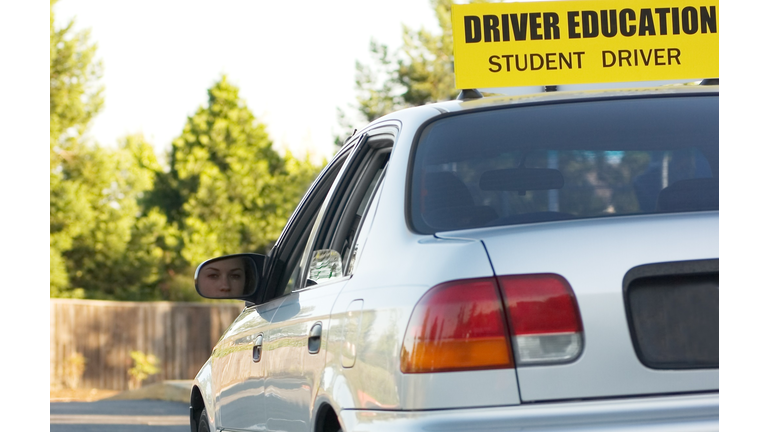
(325, 265)
(227, 277)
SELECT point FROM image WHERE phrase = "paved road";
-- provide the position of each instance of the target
(120, 416)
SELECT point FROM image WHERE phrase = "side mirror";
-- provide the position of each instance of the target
(228, 277)
(325, 265)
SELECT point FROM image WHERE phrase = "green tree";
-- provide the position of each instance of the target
(379, 91)
(427, 70)
(102, 242)
(121, 226)
(120, 256)
(75, 98)
(228, 190)
(420, 72)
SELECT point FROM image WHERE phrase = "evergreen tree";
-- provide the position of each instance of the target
(121, 227)
(427, 71)
(420, 72)
(228, 190)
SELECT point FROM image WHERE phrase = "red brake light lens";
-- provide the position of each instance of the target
(457, 325)
(543, 318)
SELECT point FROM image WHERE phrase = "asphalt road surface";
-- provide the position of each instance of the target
(120, 416)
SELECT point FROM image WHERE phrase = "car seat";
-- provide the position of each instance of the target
(696, 194)
(447, 203)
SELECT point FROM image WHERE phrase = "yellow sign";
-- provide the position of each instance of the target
(572, 42)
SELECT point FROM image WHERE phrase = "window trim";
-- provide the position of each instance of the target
(372, 205)
(371, 145)
(362, 183)
(283, 253)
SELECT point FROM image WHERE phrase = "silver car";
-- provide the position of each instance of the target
(545, 262)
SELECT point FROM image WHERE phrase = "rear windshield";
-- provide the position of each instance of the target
(544, 163)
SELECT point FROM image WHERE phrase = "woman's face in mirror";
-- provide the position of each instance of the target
(223, 278)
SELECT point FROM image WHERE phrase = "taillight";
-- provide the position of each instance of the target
(543, 317)
(457, 326)
(462, 325)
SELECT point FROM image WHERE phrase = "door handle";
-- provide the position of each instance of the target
(315, 334)
(257, 347)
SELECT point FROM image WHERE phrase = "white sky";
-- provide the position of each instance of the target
(293, 61)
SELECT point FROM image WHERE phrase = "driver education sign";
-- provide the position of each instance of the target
(573, 42)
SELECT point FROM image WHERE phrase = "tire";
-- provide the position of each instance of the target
(202, 424)
(331, 422)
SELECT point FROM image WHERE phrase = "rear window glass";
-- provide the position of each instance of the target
(574, 160)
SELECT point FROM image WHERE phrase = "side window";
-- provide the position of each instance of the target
(331, 252)
(365, 227)
(331, 248)
(293, 275)
(349, 240)
(287, 265)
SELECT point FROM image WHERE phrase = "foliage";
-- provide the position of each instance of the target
(180, 287)
(75, 98)
(74, 367)
(427, 71)
(377, 85)
(75, 95)
(144, 366)
(228, 190)
(420, 72)
(122, 227)
(118, 257)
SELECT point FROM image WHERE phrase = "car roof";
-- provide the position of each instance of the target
(559, 96)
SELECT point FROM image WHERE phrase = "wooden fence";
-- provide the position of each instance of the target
(181, 335)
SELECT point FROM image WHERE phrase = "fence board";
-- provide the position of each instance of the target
(181, 335)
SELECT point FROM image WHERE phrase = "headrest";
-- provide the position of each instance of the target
(448, 203)
(690, 195)
(445, 190)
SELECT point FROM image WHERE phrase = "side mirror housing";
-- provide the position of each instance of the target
(230, 276)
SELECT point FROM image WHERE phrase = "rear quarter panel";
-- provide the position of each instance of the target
(594, 255)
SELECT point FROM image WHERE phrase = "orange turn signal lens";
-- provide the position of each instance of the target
(456, 326)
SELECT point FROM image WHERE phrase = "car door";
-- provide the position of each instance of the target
(237, 369)
(238, 363)
(296, 348)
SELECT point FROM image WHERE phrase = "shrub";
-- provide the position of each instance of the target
(144, 366)
(74, 367)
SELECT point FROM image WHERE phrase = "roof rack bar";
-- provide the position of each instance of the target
(469, 94)
(710, 81)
